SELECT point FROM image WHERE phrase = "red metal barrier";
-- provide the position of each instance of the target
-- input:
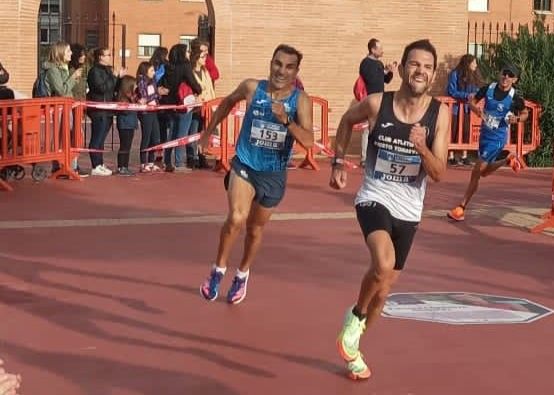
(549, 216)
(35, 131)
(320, 113)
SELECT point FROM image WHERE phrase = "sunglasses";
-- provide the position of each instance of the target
(508, 73)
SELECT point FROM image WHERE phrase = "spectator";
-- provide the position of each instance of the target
(78, 62)
(5, 92)
(159, 60)
(178, 70)
(147, 93)
(463, 82)
(374, 75)
(127, 122)
(102, 81)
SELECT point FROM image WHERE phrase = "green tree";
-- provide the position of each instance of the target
(533, 53)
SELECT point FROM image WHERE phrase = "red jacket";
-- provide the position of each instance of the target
(212, 68)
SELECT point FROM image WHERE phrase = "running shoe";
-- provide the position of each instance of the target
(357, 369)
(516, 163)
(348, 342)
(210, 288)
(457, 213)
(237, 292)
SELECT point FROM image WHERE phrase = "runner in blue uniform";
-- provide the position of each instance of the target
(503, 107)
(277, 114)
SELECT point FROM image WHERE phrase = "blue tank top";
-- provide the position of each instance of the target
(495, 112)
(264, 143)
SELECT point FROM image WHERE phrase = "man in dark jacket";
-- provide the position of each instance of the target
(375, 76)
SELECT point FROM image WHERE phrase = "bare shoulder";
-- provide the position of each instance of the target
(444, 111)
(303, 97)
(373, 102)
(250, 85)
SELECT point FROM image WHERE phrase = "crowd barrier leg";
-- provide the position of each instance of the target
(223, 163)
(66, 169)
(548, 218)
(309, 161)
(5, 186)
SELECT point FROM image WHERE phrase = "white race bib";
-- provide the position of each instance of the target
(268, 134)
(491, 121)
(396, 167)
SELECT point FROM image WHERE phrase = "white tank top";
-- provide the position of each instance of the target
(394, 173)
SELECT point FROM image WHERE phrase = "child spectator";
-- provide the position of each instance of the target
(127, 122)
(147, 93)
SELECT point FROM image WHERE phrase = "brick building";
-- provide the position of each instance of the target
(333, 35)
(150, 24)
(488, 19)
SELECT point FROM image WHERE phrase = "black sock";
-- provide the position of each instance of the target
(358, 314)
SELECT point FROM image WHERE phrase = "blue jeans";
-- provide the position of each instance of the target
(101, 123)
(180, 127)
(195, 127)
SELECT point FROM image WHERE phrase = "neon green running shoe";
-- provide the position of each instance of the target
(357, 369)
(348, 341)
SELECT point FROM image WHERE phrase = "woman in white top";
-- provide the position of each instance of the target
(198, 56)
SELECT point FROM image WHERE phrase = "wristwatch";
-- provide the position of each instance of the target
(289, 120)
(337, 161)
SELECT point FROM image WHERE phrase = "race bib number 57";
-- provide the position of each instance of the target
(395, 167)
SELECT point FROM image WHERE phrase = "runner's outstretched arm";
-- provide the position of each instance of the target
(242, 92)
(366, 110)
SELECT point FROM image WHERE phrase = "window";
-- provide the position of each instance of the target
(186, 39)
(91, 39)
(44, 36)
(49, 7)
(542, 5)
(49, 35)
(476, 49)
(478, 5)
(147, 43)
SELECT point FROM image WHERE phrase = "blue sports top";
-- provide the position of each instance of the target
(264, 143)
(495, 113)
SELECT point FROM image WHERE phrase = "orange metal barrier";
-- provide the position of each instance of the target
(320, 113)
(549, 216)
(34, 131)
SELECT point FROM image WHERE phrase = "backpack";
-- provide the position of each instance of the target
(360, 91)
(185, 95)
(40, 89)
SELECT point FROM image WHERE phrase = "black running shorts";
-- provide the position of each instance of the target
(374, 216)
(269, 186)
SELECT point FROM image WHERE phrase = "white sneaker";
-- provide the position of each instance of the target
(100, 171)
(107, 169)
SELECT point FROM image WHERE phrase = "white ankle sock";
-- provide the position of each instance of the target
(242, 275)
(221, 270)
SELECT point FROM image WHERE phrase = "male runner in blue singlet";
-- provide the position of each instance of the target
(503, 107)
(277, 114)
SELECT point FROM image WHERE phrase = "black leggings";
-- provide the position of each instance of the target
(150, 135)
(125, 143)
